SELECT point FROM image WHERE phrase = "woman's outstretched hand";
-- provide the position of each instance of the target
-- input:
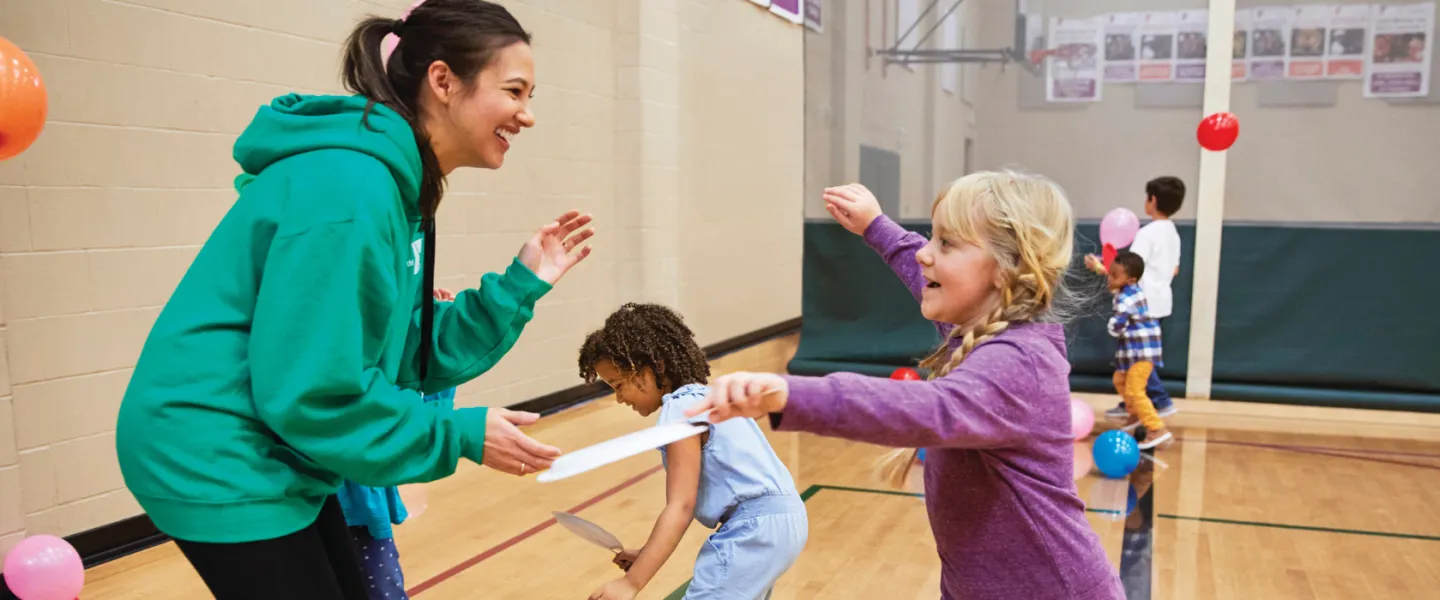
(749, 395)
(551, 252)
(508, 449)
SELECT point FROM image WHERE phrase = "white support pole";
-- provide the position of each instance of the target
(1210, 206)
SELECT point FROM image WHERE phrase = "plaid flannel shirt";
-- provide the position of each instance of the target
(1138, 332)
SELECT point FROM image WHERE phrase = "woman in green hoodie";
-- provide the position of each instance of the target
(295, 351)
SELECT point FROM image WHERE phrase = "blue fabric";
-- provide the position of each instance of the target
(376, 509)
(380, 561)
(1139, 333)
(1154, 388)
(757, 545)
(737, 462)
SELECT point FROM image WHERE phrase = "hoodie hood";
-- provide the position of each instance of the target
(295, 124)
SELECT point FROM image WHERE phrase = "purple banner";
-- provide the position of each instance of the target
(1267, 69)
(1395, 83)
(1185, 72)
(813, 14)
(1121, 72)
(790, 9)
(1074, 89)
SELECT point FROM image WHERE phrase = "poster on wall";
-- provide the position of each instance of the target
(1240, 51)
(1191, 31)
(1121, 44)
(1399, 62)
(1269, 41)
(813, 14)
(1345, 56)
(788, 10)
(1157, 46)
(1308, 30)
(1073, 74)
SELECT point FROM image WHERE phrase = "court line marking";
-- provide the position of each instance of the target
(810, 492)
(1385, 534)
(527, 534)
(1333, 452)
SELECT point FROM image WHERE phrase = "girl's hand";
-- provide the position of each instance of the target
(619, 589)
(444, 295)
(626, 559)
(1094, 263)
(548, 252)
(509, 450)
(749, 395)
(853, 206)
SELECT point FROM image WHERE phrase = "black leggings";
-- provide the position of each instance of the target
(316, 563)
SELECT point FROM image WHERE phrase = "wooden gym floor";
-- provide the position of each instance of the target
(1246, 504)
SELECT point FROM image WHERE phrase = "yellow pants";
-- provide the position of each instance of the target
(1131, 386)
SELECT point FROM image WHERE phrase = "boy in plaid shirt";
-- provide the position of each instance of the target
(1139, 350)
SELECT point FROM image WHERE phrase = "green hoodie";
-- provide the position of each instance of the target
(271, 375)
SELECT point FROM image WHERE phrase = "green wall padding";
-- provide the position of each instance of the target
(1307, 315)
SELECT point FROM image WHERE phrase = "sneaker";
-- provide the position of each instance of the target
(1155, 438)
(1169, 410)
(1130, 424)
(1118, 412)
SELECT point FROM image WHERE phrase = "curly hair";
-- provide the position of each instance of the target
(638, 336)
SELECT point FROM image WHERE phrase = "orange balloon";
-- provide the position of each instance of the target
(23, 103)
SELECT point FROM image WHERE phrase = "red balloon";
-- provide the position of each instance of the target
(1218, 131)
(905, 374)
(1108, 255)
(23, 103)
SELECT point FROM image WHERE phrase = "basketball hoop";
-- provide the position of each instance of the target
(1068, 53)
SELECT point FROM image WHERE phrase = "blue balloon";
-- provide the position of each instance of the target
(1116, 453)
(922, 455)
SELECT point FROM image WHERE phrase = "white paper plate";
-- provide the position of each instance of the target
(588, 531)
(620, 448)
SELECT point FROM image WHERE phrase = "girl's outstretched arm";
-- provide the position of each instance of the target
(980, 404)
(682, 484)
(858, 211)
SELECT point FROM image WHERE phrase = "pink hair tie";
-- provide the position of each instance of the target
(388, 44)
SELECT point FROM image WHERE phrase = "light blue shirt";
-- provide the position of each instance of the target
(736, 464)
(376, 509)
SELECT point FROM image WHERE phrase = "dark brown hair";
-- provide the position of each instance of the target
(640, 336)
(464, 34)
(1132, 263)
(1169, 194)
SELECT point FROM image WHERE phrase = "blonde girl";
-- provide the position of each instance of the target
(994, 414)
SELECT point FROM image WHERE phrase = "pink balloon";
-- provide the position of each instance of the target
(1082, 419)
(44, 567)
(390, 41)
(1084, 462)
(1118, 228)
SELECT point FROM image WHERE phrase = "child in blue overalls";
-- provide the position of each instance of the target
(727, 478)
(370, 512)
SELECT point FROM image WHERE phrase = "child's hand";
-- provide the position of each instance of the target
(749, 395)
(548, 252)
(1094, 263)
(619, 589)
(444, 295)
(626, 559)
(853, 206)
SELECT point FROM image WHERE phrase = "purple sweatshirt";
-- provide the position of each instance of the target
(1007, 519)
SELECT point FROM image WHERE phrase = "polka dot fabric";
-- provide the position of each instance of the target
(380, 561)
